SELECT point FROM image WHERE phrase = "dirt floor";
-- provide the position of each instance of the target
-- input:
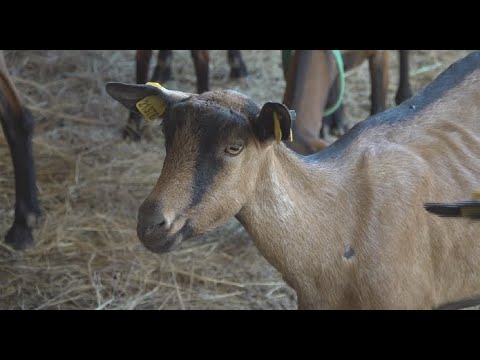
(91, 182)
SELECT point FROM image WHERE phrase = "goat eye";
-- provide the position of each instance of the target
(233, 149)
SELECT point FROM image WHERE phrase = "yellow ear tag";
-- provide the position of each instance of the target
(155, 84)
(476, 194)
(276, 128)
(152, 107)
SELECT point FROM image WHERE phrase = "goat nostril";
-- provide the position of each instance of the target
(160, 224)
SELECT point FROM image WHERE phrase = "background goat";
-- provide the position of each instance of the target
(17, 124)
(313, 83)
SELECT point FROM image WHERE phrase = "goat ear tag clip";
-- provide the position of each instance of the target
(152, 107)
(293, 116)
(276, 127)
(278, 130)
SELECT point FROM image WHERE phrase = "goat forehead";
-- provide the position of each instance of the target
(227, 98)
(233, 100)
(199, 118)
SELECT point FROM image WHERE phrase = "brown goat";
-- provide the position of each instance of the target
(313, 84)
(163, 72)
(17, 124)
(345, 227)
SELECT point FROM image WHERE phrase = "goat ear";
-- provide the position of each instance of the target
(150, 100)
(274, 122)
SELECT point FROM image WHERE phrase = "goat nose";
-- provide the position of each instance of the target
(151, 216)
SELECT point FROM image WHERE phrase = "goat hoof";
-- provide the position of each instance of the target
(19, 237)
(238, 72)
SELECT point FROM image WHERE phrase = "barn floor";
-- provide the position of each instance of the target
(91, 182)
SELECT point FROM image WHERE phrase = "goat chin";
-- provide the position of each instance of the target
(160, 245)
(159, 241)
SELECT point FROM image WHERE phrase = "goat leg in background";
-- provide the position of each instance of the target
(133, 129)
(238, 69)
(379, 76)
(201, 60)
(335, 122)
(163, 69)
(404, 91)
(17, 124)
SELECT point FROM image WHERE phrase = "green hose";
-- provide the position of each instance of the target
(341, 74)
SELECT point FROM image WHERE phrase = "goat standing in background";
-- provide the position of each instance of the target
(17, 124)
(163, 72)
(313, 83)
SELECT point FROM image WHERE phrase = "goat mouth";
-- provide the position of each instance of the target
(163, 243)
(163, 246)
